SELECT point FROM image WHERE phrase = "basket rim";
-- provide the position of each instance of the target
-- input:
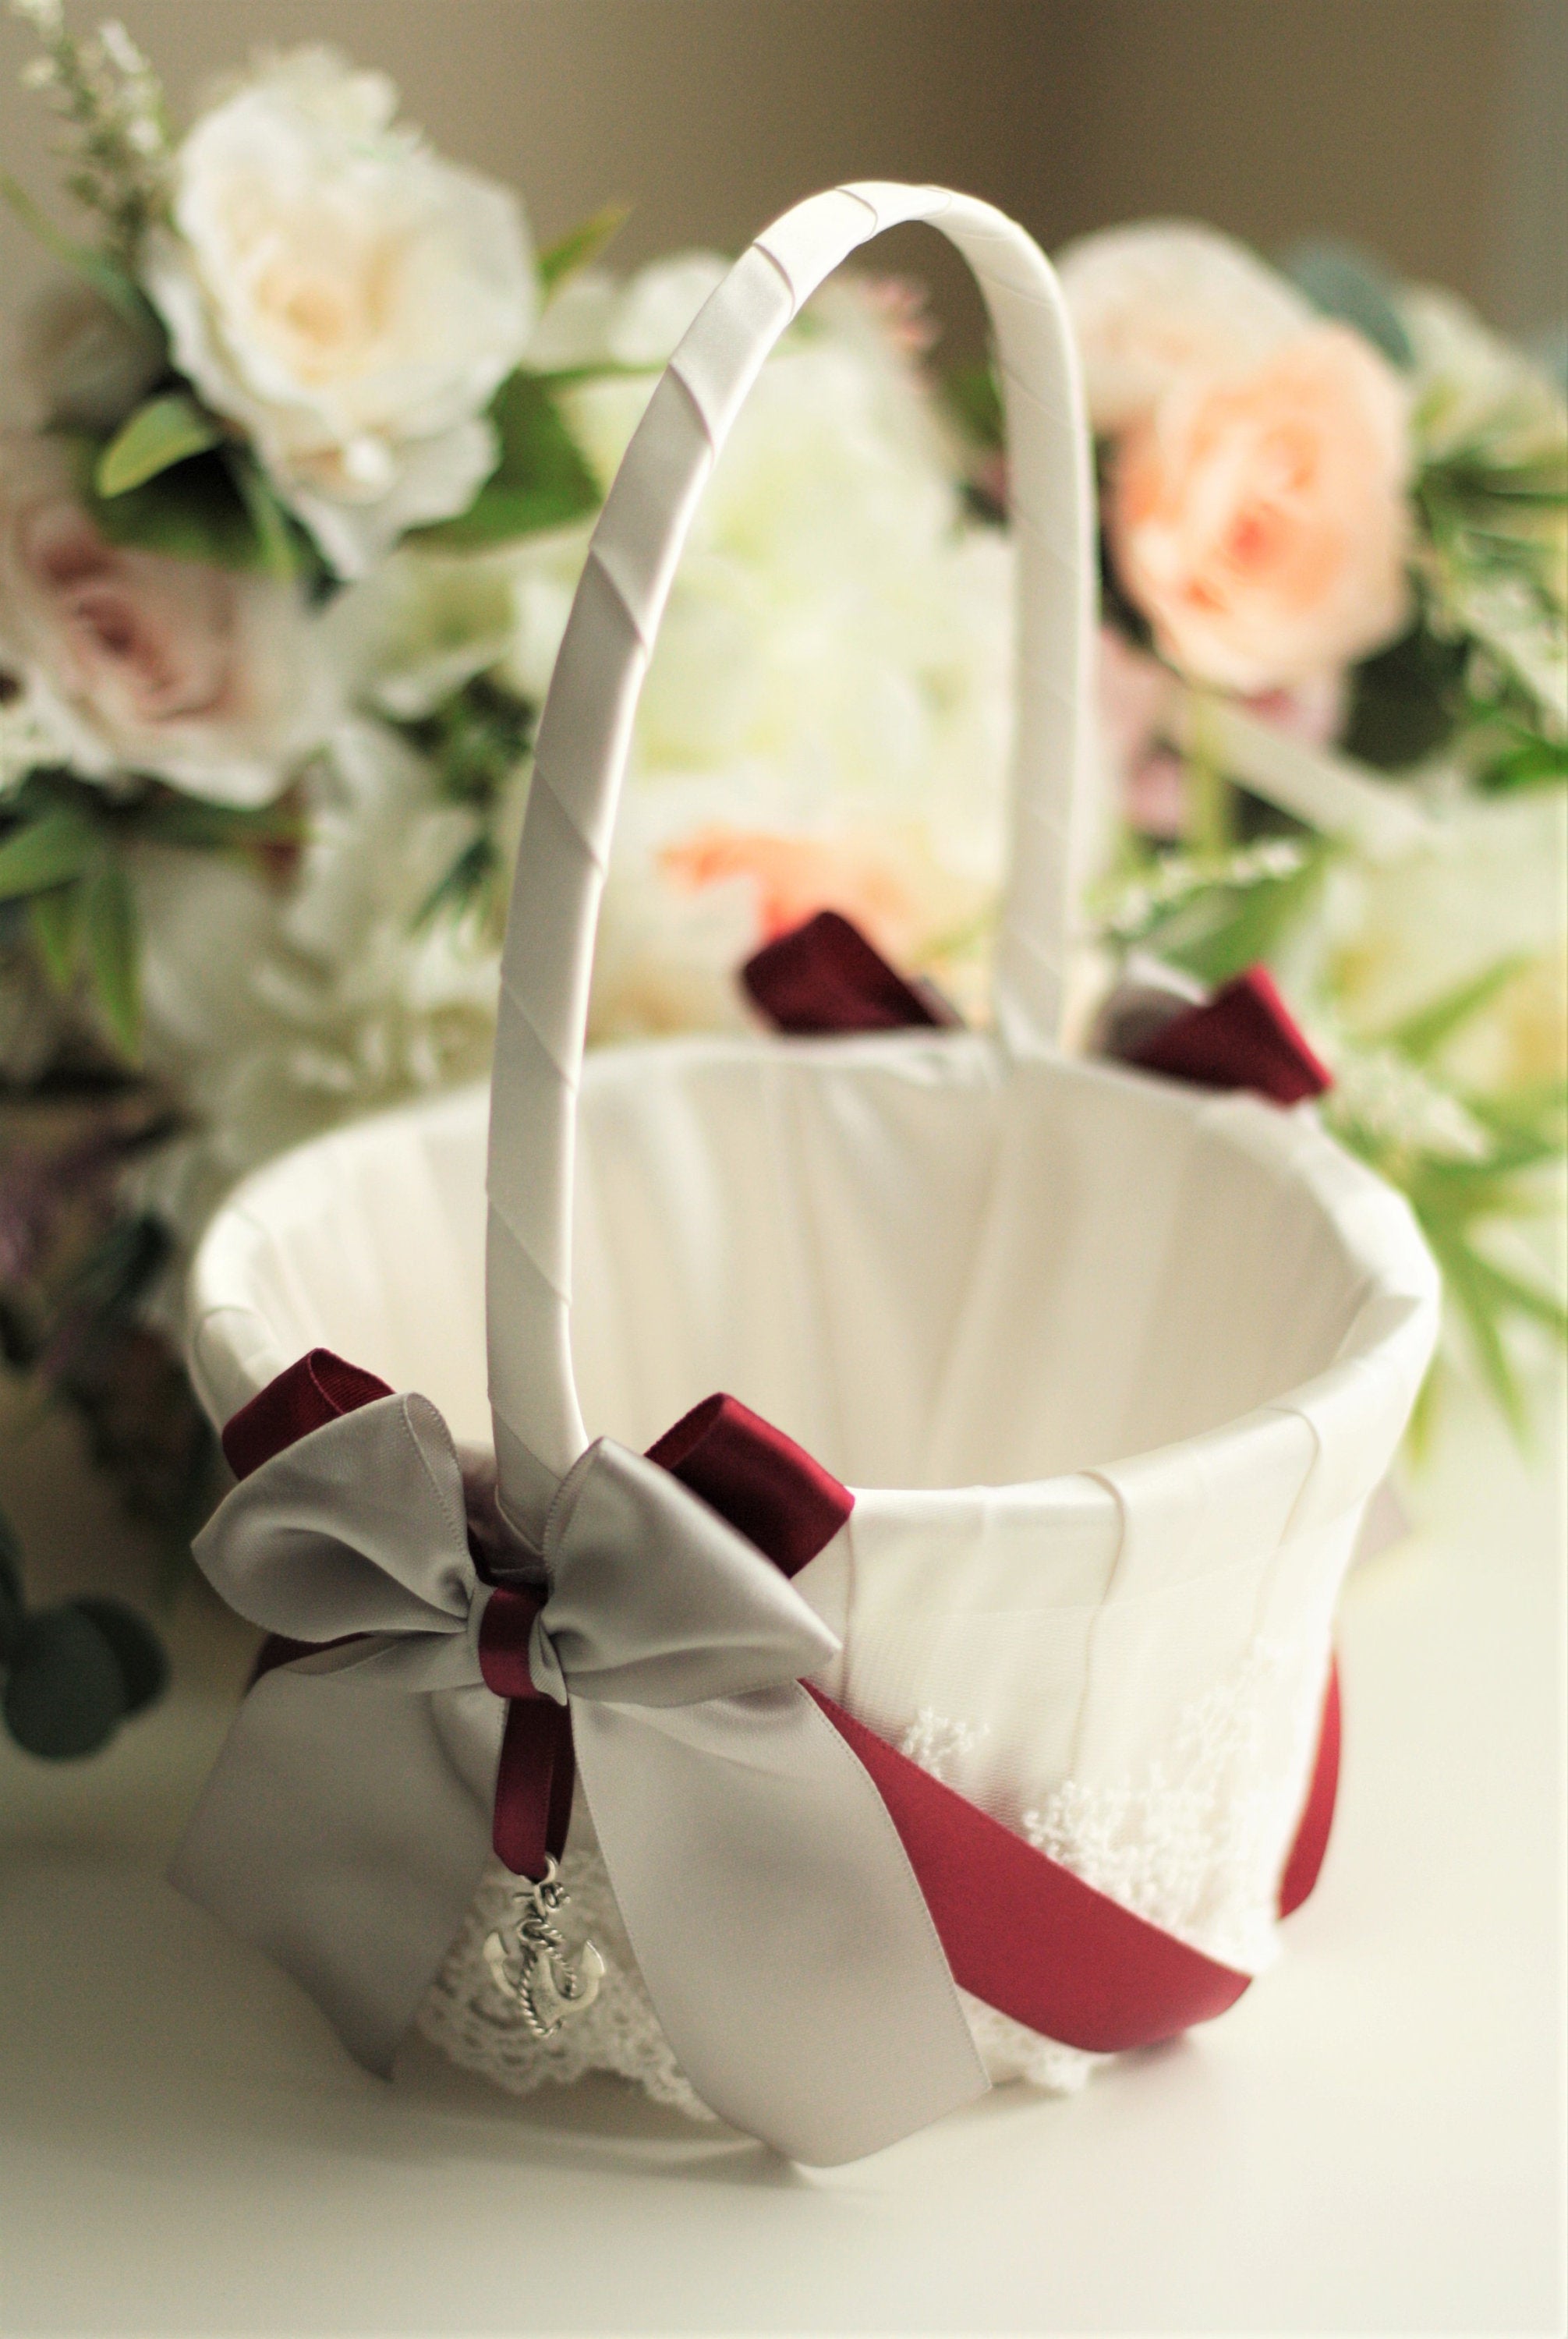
(1394, 1309)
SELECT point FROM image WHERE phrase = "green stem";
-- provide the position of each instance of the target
(1208, 791)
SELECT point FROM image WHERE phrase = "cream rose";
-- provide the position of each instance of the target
(1156, 302)
(1259, 521)
(197, 675)
(346, 297)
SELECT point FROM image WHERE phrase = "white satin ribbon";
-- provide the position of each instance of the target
(772, 1910)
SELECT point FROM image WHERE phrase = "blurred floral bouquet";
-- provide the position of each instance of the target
(287, 538)
(1335, 686)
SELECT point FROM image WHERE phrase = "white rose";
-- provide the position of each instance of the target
(137, 663)
(420, 626)
(1163, 300)
(277, 1010)
(349, 299)
(595, 319)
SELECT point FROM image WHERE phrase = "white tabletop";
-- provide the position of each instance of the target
(1372, 2140)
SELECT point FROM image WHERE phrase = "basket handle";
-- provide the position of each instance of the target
(586, 730)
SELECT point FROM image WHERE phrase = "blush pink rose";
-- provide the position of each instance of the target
(202, 677)
(1259, 521)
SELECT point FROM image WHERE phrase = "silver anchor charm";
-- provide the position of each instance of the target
(527, 1962)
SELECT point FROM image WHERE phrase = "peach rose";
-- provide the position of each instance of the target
(1259, 521)
(198, 675)
(866, 878)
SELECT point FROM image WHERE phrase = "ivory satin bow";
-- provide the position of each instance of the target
(776, 1918)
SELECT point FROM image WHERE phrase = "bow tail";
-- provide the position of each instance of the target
(776, 1921)
(533, 1786)
(350, 1856)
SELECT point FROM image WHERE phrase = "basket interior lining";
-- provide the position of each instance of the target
(928, 1274)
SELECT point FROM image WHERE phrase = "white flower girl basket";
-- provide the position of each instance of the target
(1111, 1364)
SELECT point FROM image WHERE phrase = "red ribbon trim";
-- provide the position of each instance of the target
(1020, 1930)
(1306, 1862)
(824, 977)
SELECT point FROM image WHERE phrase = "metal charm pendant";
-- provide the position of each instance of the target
(528, 1962)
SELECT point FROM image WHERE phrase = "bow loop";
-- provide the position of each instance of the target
(656, 1601)
(357, 1533)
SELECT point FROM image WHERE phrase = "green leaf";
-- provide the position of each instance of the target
(1421, 1035)
(56, 919)
(542, 481)
(1220, 930)
(166, 430)
(464, 887)
(113, 952)
(1535, 1114)
(583, 243)
(67, 1691)
(44, 852)
(1405, 700)
(192, 512)
(1468, 1293)
(1530, 763)
(110, 282)
(974, 394)
(197, 824)
(278, 553)
(1343, 281)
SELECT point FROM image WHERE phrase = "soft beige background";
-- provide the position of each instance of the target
(1429, 129)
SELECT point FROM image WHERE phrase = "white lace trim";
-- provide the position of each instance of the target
(466, 2015)
(1191, 1845)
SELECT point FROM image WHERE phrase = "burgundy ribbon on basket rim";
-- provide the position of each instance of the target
(823, 978)
(1018, 1929)
(1243, 1037)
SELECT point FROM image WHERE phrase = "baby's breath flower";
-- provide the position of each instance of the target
(108, 98)
(1134, 906)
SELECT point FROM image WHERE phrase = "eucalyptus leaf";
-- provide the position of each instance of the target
(113, 952)
(574, 250)
(542, 481)
(138, 1652)
(166, 430)
(1344, 281)
(44, 852)
(66, 1691)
